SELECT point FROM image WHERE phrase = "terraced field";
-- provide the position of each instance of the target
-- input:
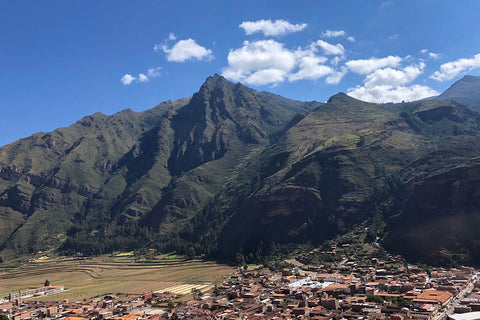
(119, 275)
(186, 288)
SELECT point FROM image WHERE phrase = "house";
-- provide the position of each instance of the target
(432, 296)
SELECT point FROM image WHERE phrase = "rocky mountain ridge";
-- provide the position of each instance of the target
(232, 170)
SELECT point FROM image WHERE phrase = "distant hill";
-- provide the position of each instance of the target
(232, 172)
(465, 90)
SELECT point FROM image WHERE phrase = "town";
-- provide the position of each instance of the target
(351, 286)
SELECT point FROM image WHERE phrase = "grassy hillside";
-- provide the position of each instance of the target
(233, 171)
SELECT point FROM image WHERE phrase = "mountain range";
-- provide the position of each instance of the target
(233, 171)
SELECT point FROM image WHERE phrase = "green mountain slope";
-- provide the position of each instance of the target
(346, 162)
(105, 180)
(235, 170)
(50, 180)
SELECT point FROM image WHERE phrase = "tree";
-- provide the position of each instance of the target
(4, 317)
(191, 253)
(374, 298)
(197, 293)
(171, 304)
(216, 291)
(240, 259)
(47, 283)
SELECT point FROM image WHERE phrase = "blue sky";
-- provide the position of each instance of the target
(62, 60)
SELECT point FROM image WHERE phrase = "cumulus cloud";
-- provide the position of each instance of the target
(271, 28)
(336, 76)
(142, 77)
(394, 77)
(127, 79)
(172, 37)
(331, 49)
(270, 62)
(260, 62)
(383, 94)
(266, 76)
(366, 66)
(312, 68)
(391, 85)
(184, 50)
(151, 73)
(452, 69)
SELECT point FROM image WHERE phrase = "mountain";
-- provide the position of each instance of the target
(233, 171)
(348, 161)
(465, 90)
(101, 183)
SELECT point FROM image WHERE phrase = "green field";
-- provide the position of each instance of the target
(121, 274)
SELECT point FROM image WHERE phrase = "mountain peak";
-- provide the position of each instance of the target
(465, 90)
(470, 78)
(216, 81)
(341, 98)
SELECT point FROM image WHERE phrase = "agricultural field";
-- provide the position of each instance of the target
(119, 274)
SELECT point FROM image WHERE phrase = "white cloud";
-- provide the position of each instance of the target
(266, 76)
(391, 85)
(312, 68)
(366, 66)
(270, 28)
(383, 94)
(153, 72)
(452, 69)
(127, 79)
(142, 77)
(269, 62)
(331, 49)
(337, 33)
(394, 77)
(337, 76)
(256, 56)
(335, 61)
(432, 55)
(184, 50)
(163, 46)
(334, 33)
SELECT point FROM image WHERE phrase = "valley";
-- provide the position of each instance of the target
(341, 279)
(123, 274)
